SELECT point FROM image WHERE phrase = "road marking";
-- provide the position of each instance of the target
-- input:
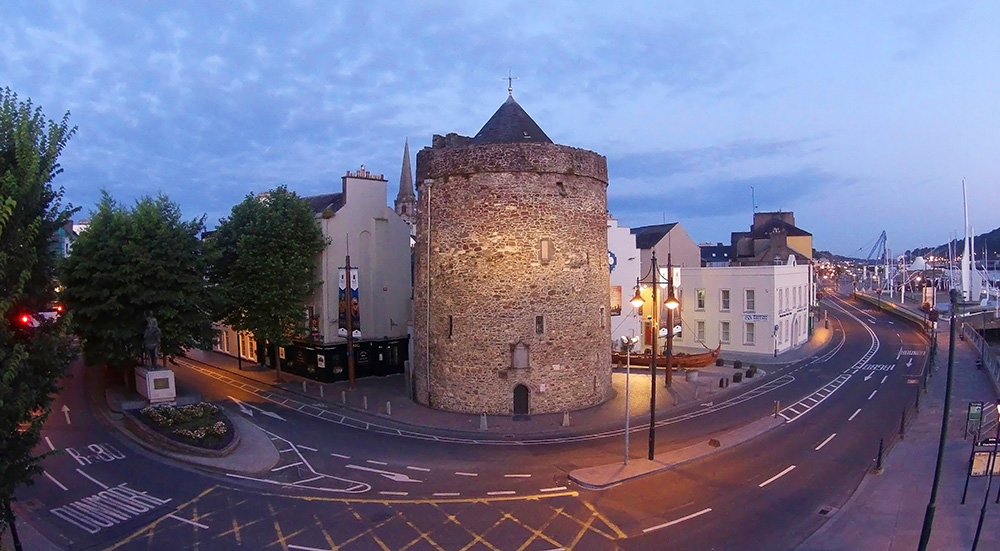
(556, 489)
(869, 376)
(460, 473)
(191, 522)
(283, 467)
(65, 410)
(340, 456)
(826, 441)
(92, 479)
(394, 493)
(673, 522)
(57, 483)
(262, 411)
(446, 494)
(517, 476)
(855, 414)
(501, 493)
(309, 479)
(884, 379)
(49, 442)
(395, 477)
(776, 477)
(872, 395)
(301, 447)
(304, 548)
(107, 508)
(421, 469)
(373, 462)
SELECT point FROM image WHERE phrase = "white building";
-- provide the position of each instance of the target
(756, 309)
(623, 261)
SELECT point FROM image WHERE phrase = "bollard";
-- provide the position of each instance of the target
(388, 408)
(321, 390)
(482, 422)
(364, 402)
(727, 382)
(722, 382)
(343, 397)
(878, 462)
(565, 421)
(777, 408)
(696, 392)
(902, 425)
(304, 390)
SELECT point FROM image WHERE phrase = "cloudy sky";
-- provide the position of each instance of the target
(856, 116)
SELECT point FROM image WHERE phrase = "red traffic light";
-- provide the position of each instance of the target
(25, 319)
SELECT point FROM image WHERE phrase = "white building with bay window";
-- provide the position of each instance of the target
(755, 309)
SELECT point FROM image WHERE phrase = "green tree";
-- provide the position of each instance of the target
(132, 262)
(34, 351)
(266, 268)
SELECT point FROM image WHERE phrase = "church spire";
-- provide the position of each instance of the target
(405, 199)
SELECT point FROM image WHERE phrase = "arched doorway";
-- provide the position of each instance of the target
(520, 400)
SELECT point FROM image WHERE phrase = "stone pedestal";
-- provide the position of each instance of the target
(156, 385)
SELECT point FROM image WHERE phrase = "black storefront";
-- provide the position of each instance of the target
(328, 363)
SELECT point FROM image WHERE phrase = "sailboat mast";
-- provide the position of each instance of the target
(966, 250)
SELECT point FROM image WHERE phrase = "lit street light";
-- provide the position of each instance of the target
(671, 303)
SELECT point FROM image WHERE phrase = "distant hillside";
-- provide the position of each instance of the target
(827, 255)
(990, 240)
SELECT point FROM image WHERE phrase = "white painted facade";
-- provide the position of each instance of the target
(755, 309)
(623, 261)
(379, 244)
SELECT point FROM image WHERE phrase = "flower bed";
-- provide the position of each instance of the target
(202, 425)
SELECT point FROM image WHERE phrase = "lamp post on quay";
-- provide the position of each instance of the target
(628, 342)
(671, 304)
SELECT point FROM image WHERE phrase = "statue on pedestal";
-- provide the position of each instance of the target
(151, 339)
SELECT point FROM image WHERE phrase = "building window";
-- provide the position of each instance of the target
(225, 340)
(545, 251)
(724, 300)
(700, 298)
(539, 325)
(750, 300)
(749, 334)
(781, 300)
(700, 328)
(451, 326)
(724, 332)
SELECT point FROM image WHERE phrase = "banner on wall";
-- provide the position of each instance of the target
(348, 303)
(616, 300)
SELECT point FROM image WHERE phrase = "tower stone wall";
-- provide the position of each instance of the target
(513, 237)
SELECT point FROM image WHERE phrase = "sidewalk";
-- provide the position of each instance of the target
(886, 512)
(388, 402)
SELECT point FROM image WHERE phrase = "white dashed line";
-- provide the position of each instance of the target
(447, 494)
(501, 493)
(825, 441)
(460, 473)
(855, 414)
(306, 448)
(191, 522)
(883, 380)
(57, 483)
(92, 479)
(673, 522)
(49, 442)
(776, 477)
(340, 456)
(556, 489)
(872, 395)
(421, 469)
(283, 467)
(373, 462)
(517, 476)
(394, 493)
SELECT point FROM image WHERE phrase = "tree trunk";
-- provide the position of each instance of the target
(9, 513)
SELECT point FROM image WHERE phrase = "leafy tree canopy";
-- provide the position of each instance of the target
(266, 269)
(134, 261)
(33, 354)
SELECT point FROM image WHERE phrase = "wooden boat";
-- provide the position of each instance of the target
(680, 360)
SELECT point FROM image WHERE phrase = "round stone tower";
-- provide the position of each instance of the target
(511, 283)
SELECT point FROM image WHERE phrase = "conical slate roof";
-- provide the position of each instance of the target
(510, 124)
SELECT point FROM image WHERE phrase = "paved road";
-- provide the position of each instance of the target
(341, 487)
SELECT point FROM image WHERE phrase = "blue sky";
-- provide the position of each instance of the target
(857, 116)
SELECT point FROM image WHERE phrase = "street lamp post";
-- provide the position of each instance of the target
(628, 342)
(671, 304)
(989, 481)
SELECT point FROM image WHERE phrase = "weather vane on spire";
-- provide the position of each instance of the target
(510, 82)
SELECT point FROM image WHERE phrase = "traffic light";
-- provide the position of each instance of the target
(25, 320)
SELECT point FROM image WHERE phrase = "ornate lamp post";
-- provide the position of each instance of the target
(671, 305)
